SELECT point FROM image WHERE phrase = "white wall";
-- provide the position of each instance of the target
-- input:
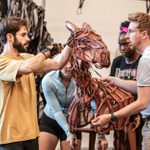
(104, 16)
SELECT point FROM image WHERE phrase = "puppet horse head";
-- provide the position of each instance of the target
(88, 46)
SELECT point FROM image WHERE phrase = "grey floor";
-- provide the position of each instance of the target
(85, 142)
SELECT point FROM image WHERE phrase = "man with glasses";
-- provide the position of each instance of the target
(125, 67)
(139, 38)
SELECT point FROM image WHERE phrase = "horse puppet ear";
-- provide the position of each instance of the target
(70, 26)
(86, 26)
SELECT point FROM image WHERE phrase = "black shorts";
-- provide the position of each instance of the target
(23, 145)
(51, 126)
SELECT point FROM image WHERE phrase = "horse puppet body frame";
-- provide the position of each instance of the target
(90, 49)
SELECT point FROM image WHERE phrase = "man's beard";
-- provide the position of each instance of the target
(130, 54)
(19, 46)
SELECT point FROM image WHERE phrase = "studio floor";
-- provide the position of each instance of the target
(85, 142)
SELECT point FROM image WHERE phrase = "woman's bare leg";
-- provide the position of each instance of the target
(47, 141)
(64, 145)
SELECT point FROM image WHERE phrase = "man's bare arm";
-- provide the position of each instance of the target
(140, 104)
(60, 60)
(31, 64)
(128, 85)
(34, 63)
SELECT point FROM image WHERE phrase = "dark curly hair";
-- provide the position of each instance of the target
(10, 25)
(124, 26)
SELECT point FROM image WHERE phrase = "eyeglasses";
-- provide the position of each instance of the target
(130, 31)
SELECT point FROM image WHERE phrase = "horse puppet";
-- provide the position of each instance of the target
(89, 49)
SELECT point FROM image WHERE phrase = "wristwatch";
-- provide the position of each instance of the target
(113, 117)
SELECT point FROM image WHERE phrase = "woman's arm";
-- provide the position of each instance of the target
(53, 103)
